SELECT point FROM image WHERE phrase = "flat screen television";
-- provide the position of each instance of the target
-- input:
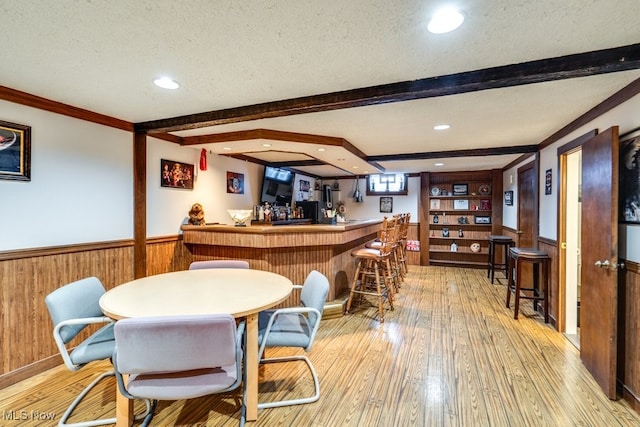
(277, 186)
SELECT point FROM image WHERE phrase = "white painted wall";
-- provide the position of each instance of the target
(80, 189)
(168, 208)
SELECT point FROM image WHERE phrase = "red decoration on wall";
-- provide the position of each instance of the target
(203, 160)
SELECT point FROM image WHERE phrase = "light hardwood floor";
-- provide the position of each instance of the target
(450, 354)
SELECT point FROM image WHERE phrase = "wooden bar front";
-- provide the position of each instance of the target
(290, 250)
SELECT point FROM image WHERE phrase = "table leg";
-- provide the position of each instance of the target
(124, 408)
(251, 365)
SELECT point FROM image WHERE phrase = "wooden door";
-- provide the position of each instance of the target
(527, 212)
(599, 293)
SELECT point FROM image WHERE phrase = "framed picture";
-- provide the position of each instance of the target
(508, 198)
(235, 183)
(482, 219)
(305, 185)
(434, 204)
(15, 151)
(547, 182)
(460, 189)
(485, 204)
(461, 204)
(629, 172)
(176, 174)
(386, 204)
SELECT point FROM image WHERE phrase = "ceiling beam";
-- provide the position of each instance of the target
(564, 67)
(497, 151)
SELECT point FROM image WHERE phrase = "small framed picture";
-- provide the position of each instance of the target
(547, 182)
(508, 198)
(482, 219)
(235, 183)
(176, 174)
(460, 189)
(15, 151)
(434, 204)
(461, 204)
(485, 204)
(386, 204)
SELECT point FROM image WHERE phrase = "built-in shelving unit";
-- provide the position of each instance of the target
(459, 210)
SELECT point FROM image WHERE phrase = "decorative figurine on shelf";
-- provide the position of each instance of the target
(436, 219)
(460, 233)
(475, 247)
(445, 232)
(454, 247)
(196, 214)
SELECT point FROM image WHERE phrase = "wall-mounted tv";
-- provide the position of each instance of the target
(277, 186)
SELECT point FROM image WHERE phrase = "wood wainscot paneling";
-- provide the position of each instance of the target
(292, 250)
(628, 337)
(167, 254)
(27, 277)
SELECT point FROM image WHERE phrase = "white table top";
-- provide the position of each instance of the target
(238, 292)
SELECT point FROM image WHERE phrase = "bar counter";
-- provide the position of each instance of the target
(290, 250)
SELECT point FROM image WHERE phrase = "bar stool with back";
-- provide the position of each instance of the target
(497, 240)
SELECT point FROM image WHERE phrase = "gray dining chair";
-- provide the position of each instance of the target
(178, 357)
(72, 308)
(219, 263)
(294, 327)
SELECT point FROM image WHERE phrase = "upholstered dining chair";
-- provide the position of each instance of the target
(219, 263)
(72, 308)
(178, 357)
(295, 327)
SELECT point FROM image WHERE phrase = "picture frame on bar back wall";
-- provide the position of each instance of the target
(15, 151)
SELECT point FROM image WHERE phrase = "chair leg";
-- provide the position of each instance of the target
(353, 286)
(92, 423)
(299, 401)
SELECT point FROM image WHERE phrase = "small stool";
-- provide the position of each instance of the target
(539, 260)
(494, 240)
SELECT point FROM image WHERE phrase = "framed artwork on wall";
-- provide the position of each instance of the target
(508, 198)
(629, 171)
(386, 204)
(235, 183)
(176, 174)
(15, 152)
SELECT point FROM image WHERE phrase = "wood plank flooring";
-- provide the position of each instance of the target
(450, 354)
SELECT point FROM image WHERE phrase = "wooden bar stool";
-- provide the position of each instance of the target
(374, 272)
(539, 260)
(497, 240)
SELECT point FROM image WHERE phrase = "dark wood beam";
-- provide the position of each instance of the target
(564, 67)
(496, 151)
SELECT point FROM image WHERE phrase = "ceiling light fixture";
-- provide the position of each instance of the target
(441, 127)
(321, 149)
(227, 148)
(166, 83)
(438, 164)
(445, 20)
(266, 145)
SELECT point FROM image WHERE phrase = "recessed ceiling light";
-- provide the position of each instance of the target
(445, 20)
(321, 149)
(441, 127)
(166, 83)
(266, 145)
(438, 164)
(356, 167)
(227, 148)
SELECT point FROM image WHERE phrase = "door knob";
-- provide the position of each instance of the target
(602, 264)
(519, 232)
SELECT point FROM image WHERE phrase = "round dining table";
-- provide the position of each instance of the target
(243, 293)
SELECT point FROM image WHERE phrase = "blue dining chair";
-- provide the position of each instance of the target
(219, 263)
(295, 327)
(72, 308)
(178, 357)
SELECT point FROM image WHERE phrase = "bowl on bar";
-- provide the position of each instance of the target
(240, 216)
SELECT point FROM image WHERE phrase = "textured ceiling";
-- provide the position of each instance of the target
(103, 55)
